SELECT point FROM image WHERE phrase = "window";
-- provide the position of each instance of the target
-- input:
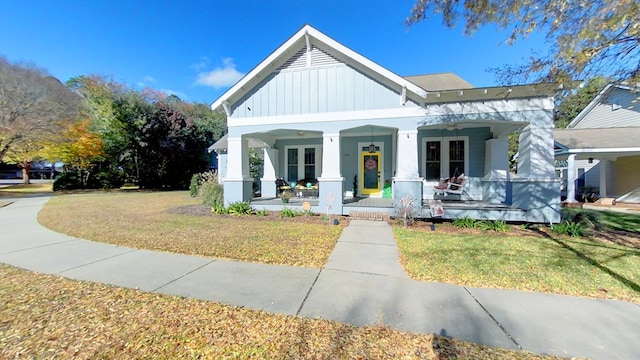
(303, 162)
(432, 159)
(445, 157)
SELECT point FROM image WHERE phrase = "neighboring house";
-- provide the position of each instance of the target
(326, 115)
(599, 151)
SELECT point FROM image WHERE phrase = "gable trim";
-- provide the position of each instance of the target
(308, 32)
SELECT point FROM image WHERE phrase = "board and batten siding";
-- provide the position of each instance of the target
(323, 85)
(620, 109)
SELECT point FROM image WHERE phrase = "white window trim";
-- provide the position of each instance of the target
(444, 154)
(379, 144)
(318, 149)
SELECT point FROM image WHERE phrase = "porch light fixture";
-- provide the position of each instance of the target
(372, 146)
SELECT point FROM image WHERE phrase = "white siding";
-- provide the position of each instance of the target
(620, 109)
(328, 85)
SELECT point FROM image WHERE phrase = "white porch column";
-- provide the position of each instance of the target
(407, 155)
(331, 181)
(535, 153)
(268, 181)
(496, 159)
(571, 178)
(238, 183)
(237, 158)
(407, 181)
(495, 187)
(604, 167)
(331, 156)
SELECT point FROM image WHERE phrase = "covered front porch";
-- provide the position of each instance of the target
(370, 167)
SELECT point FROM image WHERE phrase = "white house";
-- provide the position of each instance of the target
(327, 116)
(600, 148)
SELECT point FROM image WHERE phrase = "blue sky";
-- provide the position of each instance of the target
(197, 49)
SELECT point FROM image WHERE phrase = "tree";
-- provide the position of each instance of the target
(586, 38)
(32, 104)
(77, 147)
(159, 141)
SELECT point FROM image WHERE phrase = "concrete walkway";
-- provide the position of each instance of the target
(362, 284)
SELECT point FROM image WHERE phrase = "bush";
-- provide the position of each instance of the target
(106, 179)
(573, 229)
(194, 186)
(212, 191)
(289, 213)
(240, 208)
(68, 180)
(219, 209)
(465, 222)
(497, 225)
(262, 212)
(587, 219)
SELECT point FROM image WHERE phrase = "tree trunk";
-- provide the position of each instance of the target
(25, 175)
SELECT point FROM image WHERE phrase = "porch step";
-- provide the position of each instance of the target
(369, 215)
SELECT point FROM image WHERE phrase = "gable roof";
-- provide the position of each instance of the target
(600, 98)
(437, 82)
(308, 36)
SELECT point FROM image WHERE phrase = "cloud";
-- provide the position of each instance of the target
(220, 77)
(201, 64)
(146, 81)
(181, 95)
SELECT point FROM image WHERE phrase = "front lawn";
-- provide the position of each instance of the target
(46, 316)
(537, 261)
(143, 220)
(17, 190)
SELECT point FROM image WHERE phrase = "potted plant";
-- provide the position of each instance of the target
(285, 196)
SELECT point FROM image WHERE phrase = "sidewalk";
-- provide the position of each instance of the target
(362, 284)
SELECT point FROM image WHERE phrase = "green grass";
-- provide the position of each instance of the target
(621, 221)
(544, 263)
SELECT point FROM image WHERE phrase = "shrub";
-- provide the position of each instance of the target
(219, 208)
(106, 179)
(194, 186)
(289, 213)
(497, 225)
(573, 229)
(262, 212)
(68, 180)
(212, 191)
(587, 219)
(465, 222)
(240, 208)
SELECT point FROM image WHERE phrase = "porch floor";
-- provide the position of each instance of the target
(374, 205)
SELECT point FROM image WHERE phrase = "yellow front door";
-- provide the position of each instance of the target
(370, 165)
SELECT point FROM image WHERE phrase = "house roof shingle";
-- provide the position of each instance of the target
(600, 138)
(442, 81)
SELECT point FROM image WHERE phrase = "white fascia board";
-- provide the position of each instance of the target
(487, 107)
(602, 150)
(326, 117)
(490, 107)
